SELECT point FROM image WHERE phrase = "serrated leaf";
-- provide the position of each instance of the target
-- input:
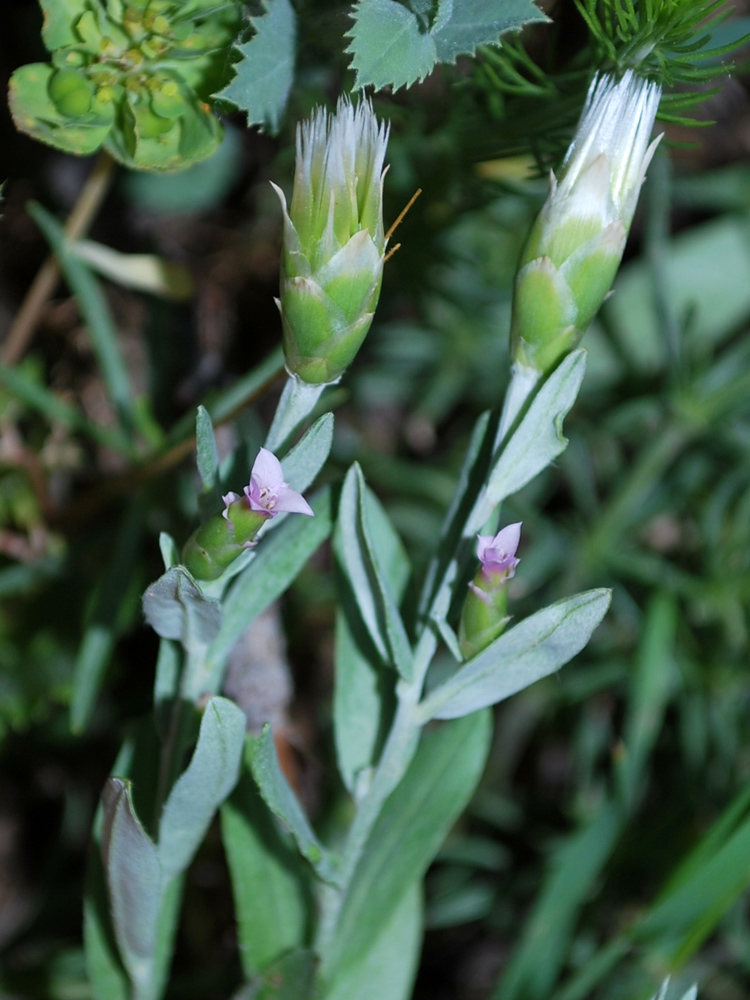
(536, 647)
(282, 801)
(391, 46)
(265, 73)
(462, 25)
(198, 793)
(387, 46)
(175, 608)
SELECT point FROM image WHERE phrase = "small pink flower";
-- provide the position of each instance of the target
(267, 493)
(498, 555)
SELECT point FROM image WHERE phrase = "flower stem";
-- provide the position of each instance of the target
(297, 402)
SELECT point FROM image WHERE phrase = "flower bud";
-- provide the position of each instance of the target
(223, 537)
(576, 243)
(334, 245)
(485, 611)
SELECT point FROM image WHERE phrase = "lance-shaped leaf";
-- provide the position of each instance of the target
(175, 608)
(357, 556)
(207, 454)
(536, 442)
(363, 695)
(134, 879)
(198, 793)
(306, 459)
(408, 834)
(388, 967)
(282, 801)
(536, 647)
(269, 879)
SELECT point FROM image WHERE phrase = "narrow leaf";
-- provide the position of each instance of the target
(388, 966)
(271, 894)
(306, 459)
(282, 801)
(536, 647)
(95, 311)
(198, 793)
(537, 441)
(207, 454)
(356, 555)
(100, 635)
(142, 271)
(409, 832)
(134, 880)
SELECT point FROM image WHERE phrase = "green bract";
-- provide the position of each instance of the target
(334, 245)
(132, 77)
(575, 246)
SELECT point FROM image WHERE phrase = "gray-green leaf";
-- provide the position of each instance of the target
(134, 879)
(409, 832)
(282, 801)
(175, 608)
(268, 876)
(537, 441)
(533, 649)
(198, 793)
(358, 557)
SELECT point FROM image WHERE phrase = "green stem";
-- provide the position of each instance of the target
(397, 754)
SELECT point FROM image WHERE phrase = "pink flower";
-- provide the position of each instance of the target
(267, 493)
(498, 555)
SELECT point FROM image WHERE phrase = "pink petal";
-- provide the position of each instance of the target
(252, 492)
(267, 471)
(506, 541)
(484, 542)
(289, 500)
(229, 498)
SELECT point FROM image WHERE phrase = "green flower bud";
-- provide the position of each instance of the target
(334, 244)
(576, 243)
(72, 92)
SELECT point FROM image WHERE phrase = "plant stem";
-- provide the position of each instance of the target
(297, 402)
(397, 754)
(84, 211)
